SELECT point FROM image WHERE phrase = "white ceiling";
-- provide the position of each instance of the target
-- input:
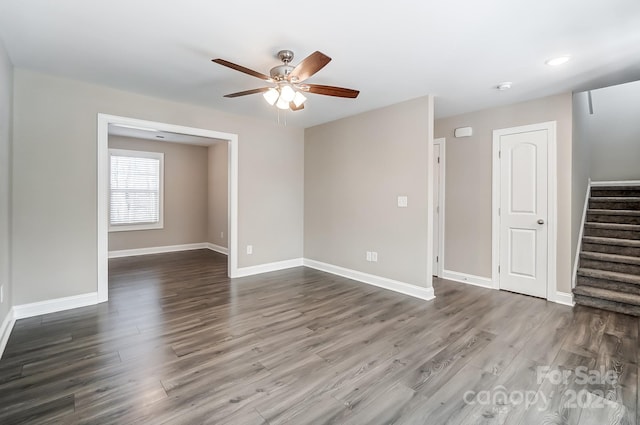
(458, 50)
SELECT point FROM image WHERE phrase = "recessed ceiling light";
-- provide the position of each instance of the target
(504, 86)
(558, 61)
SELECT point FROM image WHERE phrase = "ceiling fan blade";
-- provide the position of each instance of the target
(241, 69)
(246, 92)
(309, 66)
(293, 107)
(331, 91)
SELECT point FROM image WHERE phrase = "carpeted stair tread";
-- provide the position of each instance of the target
(596, 211)
(613, 187)
(616, 198)
(607, 294)
(603, 304)
(612, 226)
(611, 241)
(608, 275)
(613, 258)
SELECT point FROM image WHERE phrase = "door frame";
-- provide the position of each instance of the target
(439, 268)
(552, 202)
(103, 189)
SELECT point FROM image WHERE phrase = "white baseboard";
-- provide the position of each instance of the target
(617, 183)
(217, 248)
(564, 298)
(51, 306)
(158, 250)
(382, 282)
(559, 297)
(268, 267)
(470, 279)
(5, 330)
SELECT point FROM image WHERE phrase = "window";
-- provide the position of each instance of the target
(135, 190)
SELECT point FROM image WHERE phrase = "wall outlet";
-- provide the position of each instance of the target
(249, 249)
(374, 257)
(221, 235)
(403, 201)
(368, 255)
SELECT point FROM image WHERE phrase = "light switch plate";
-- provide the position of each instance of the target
(249, 249)
(403, 201)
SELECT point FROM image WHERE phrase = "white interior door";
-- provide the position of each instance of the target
(436, 209)
(523, 212)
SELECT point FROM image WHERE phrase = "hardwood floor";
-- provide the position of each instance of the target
(179, 343)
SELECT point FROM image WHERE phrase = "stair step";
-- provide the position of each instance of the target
(613, 216)
(615, 202)
(609, 275)
(615, 226)
(611, 245)
(610, 262)
(611, 241)
(607, 294)
(613, 212)
(612, 285)
(612, 258)
(630, 309)
(607, 279)
(598, 191)
(612, 230)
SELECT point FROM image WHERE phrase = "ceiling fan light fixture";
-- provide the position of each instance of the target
(282, 103)
(271, 96)
(287, 93)
(287, 81)
(299, 99)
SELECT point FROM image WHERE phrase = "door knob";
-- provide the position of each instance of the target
(540, 221)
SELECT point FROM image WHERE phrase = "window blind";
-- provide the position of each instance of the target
(134, 190)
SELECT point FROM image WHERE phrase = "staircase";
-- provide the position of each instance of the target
(609, 272)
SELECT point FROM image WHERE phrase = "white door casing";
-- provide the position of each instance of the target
(524, 210)
(438, 206)
(103, 185)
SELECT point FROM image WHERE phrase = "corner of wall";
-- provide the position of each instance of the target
(6, 170)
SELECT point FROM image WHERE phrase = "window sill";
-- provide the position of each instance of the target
(134, 227)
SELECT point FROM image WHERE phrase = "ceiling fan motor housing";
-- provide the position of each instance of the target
(281, 72)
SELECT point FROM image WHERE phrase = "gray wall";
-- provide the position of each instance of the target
(613, 132)
(606, 144)
(6, 108)
(54, 206)
(354, 170)
(581, 169)
(218, 205)
(185, 196)
(468, 182)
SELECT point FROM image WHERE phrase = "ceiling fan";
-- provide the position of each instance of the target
(288, 81)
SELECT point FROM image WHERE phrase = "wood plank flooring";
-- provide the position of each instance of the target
(180, 343)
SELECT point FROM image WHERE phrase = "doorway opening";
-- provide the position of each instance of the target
(187, 133)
